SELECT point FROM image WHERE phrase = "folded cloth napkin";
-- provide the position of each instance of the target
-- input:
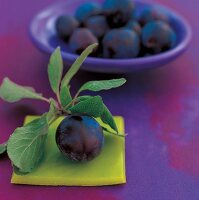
(107, 169)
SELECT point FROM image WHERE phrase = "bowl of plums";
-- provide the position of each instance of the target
(131, 35)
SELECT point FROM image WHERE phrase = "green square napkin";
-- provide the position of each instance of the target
(107, 169)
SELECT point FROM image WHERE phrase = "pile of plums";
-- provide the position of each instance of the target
(119, 32)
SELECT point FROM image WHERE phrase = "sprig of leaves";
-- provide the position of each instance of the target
(25, 146)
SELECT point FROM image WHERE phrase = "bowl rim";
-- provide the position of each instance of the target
(178, 49)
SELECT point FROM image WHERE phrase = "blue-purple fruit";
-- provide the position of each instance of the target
(97, 25)
(118, 12)
(86, 10)
(158, 36)
(81, 39)
(79, 138)
(150, 14)
(65, 25)
(121, 43)
(134, 26)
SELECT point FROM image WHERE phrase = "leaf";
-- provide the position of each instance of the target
(12, 92)
(83, 98)
(3, 148)
(55, 70)
(107, 118)
(26, 145)
(65, 96)
(17, 171)
(102, 85)
(30, 88)
(52, 113)
(77, 64)
(108, 131)
(92, 106)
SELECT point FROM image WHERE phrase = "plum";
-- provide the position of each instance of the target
(118, 12)
(134, 26)
(80, 39)
(158, 36)
(85, 10)
(97, 25)
(79, 137)
(150, 14)
(65, 25)
(121, 43)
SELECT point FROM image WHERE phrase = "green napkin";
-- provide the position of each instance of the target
(107, 169)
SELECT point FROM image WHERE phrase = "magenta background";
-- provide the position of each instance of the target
(161, 110)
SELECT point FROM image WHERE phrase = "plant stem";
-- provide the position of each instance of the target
(76, 95)
(58, 99)
(63, 111)
(46, 100)
(72, 102)
(69, 104)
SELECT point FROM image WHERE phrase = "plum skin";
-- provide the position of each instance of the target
(158, 36)
(65, 25)
(134, 26)
(150, 14)
(86, 10)
(118, 12)
(79, 137)
(121, 43)
(81, 39)
(97, 25)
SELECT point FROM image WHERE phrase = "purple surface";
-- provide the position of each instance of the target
(43, 34)
(160, 106)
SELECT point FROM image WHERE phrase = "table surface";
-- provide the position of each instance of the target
(160, 106)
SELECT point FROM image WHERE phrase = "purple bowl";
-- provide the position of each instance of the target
(43, 35)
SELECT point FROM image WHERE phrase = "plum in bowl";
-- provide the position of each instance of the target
(44, 35)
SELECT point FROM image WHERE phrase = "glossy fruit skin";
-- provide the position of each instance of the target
(97, 25)
(79, 138)
(121, 43)
(134, 26)
(158, 36)
(118, 12)
(150, 14)
(85, 10)
(65, 25)
(81, 39)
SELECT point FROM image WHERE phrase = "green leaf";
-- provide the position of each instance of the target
(107, 118)
(83, 98)
(12, 92)
(53, 111)
(25, 146)
(77, 64)
(102, 85)
(65, 96)
(108, 131)
(17, 171)
(3, 148)
(92, 106)
(55, 70)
